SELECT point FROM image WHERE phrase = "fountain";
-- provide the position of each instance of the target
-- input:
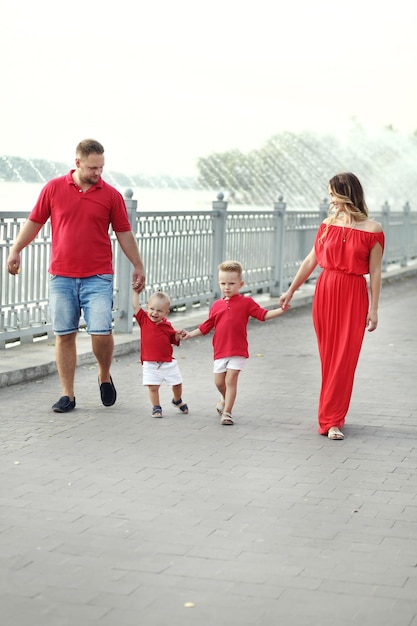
(298, 167)
(294, 165)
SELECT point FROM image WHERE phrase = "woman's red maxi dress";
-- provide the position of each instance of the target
(340, 308)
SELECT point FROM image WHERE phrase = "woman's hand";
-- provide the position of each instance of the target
(371, 320)
(285, 299)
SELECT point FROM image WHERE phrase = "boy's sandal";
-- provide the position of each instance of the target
(226, 419)
(220, 406)
(180, 405)
(156, 411)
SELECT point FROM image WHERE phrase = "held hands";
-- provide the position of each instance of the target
(285, 299)
(138, 280)
(183, 334)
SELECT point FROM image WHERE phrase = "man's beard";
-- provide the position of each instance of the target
(90, 181)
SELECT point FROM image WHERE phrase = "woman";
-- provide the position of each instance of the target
(348, 245)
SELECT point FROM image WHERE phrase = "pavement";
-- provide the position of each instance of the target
(110, 517)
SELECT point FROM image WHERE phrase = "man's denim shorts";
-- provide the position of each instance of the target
(93, 296)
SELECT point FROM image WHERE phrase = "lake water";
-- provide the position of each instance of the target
(22, 197)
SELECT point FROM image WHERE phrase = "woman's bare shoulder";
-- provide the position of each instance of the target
(371, 226)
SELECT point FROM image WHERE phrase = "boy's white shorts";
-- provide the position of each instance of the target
(155, 373)
(229, 363)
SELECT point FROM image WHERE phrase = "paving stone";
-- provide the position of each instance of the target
(110, 517)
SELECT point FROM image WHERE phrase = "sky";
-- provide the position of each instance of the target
(161, 84)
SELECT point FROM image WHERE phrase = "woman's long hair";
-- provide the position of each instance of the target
(347, 188)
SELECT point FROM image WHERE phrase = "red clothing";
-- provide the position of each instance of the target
(229, 318)
(155, 339)
(340, 307)
(80, 223)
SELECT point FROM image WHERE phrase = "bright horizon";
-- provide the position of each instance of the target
(163, 84)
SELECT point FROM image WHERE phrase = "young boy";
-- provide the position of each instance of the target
(157, 336)
(229, 317)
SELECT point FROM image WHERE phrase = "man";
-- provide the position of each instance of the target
(82, 206)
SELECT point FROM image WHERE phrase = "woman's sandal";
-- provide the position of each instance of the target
(157, 411)
(335, 434)
(180, 405)
(220, 406)
(226, 419)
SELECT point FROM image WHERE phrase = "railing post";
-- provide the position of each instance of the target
(278, 254)
(124, 322)
(324, 209)
(406, 235)
(219, 241)
(385, 211)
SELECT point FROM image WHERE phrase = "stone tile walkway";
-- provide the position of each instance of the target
(110, 517)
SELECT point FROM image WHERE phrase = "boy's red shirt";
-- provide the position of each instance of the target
(229, 318)
(155, 339)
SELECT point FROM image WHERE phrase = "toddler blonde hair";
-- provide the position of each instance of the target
(162, 297)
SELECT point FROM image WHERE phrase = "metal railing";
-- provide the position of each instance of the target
(181, 252)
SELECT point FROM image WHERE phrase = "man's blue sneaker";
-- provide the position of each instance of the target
(108, 393)
(64, 405)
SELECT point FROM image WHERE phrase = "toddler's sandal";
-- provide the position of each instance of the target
(180, 405)
(156, 411)
(220, 406)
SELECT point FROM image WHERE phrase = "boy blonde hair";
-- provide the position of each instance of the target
(231, 266)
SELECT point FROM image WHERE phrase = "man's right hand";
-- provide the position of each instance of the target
(13, 263)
